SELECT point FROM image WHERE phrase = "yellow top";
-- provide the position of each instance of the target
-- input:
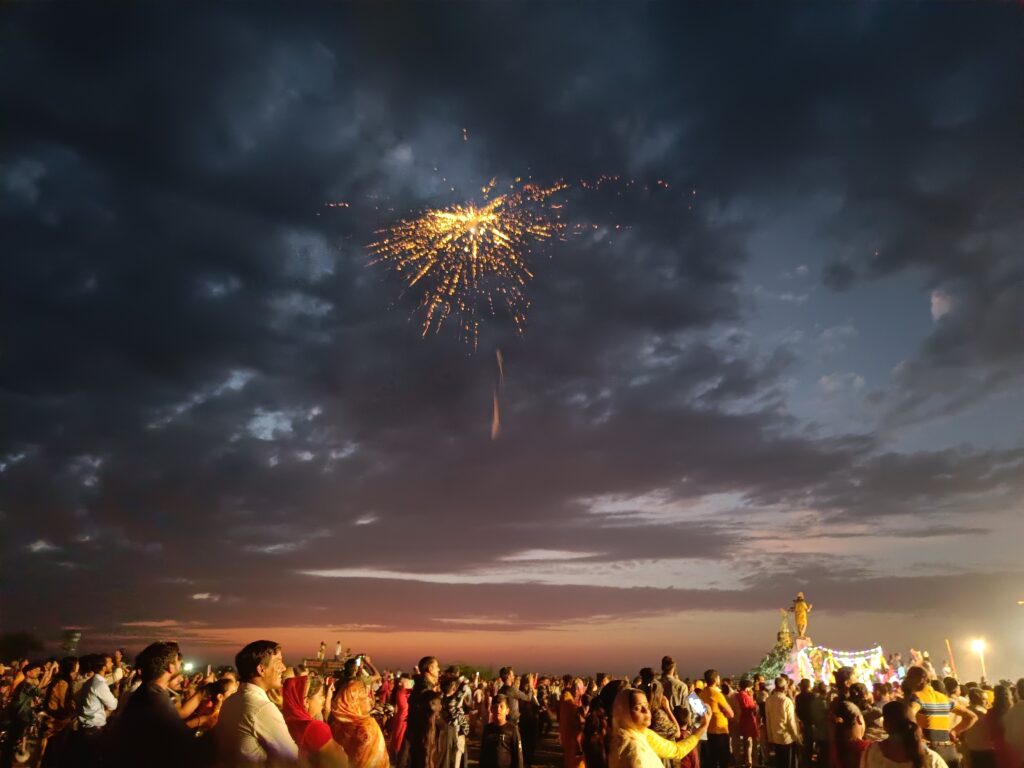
(667, 749)
(718, 707)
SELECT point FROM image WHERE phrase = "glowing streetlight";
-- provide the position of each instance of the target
(978, 646)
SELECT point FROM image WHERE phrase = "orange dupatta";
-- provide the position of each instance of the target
(353, 728)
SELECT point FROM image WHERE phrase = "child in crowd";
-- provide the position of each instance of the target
(500, 746)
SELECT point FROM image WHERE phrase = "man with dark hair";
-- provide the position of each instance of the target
(361, 668)
(934, 713)
(674, 688)
(427, 679)
(251, 728)
(93, 701)
(512, 694)
(150, 731)
(716, 748)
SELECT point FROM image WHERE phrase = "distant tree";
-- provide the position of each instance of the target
(18, 645)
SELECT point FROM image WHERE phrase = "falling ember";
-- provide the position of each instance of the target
(501, 366)
(465, 135)
(469, 256)
(496, 417)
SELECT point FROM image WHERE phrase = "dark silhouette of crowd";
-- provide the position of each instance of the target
(100, 711)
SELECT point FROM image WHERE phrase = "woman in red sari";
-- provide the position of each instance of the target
(400, 722)
(355, 729)
(303, 699)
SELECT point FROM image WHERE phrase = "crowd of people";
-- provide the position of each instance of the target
(100, 711)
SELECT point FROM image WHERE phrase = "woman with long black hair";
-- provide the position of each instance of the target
(904, 745)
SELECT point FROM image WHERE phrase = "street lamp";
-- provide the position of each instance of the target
(978, 646)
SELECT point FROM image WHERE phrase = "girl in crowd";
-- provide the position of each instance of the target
(849, 744)
(306, 698)
(904, 746)
(977, 741)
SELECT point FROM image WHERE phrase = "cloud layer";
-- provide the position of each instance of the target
(218, 416)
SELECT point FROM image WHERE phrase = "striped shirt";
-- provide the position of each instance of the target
(934, 716)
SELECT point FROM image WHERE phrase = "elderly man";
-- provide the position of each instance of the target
(780, 719)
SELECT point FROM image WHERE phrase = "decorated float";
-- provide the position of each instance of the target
(799, 658)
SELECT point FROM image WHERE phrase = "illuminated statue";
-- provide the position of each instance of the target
(800, 609)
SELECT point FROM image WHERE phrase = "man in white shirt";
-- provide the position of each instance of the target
(780, 718)
(93, 701)
(95, 698)
(251, 728)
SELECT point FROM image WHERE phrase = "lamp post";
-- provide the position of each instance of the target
(978, 646)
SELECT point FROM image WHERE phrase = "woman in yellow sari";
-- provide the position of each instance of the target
(354, 728)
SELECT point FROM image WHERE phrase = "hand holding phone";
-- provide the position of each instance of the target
(697, 707)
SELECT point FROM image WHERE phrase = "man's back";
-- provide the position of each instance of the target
(779, 717)
(675, 691)
(150, 732)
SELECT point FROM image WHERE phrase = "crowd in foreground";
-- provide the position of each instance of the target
(99, 711)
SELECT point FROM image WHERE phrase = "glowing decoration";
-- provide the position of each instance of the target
(978, 646)
(817, 662)
(469, 257)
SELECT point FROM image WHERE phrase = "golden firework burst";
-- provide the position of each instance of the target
(468, 258)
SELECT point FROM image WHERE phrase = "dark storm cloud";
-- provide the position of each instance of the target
(209, 391)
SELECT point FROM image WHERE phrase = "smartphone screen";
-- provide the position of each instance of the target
(696, 705)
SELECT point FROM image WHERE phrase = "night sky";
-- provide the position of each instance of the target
(797, 366)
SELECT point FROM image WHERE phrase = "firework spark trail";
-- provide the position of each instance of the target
(496, 417)
(496, 399)
(467, 256)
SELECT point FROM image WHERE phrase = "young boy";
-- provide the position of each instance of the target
(500, 745)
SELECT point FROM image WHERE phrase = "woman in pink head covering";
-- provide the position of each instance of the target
(356, 730)
(303, 699)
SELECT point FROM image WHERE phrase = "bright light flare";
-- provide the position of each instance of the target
(468, 257)
(978, 645)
